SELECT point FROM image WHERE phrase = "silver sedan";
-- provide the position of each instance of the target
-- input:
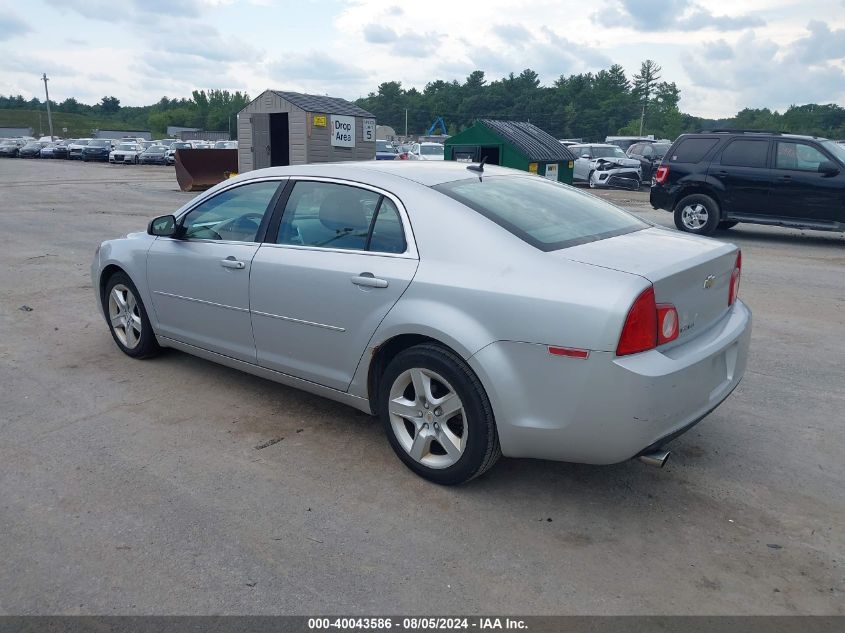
(477, 313)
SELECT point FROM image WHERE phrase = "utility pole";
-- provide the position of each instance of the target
(642, 119)
(406, 123)
(47, 93)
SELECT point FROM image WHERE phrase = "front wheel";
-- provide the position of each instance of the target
(590, 181)
(128, 321)
(437, 416)
(698, 214)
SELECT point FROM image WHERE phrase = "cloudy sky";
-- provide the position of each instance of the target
(723, 54)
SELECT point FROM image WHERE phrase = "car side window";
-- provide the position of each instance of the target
(331, 215)
(635, 149)
(746, 153)
(691, 150)
(233, 215)
(798, 156)
(647, 151)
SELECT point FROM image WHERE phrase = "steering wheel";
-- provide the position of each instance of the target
(239, 221)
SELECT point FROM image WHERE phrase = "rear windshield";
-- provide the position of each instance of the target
(431, 150)
(383, 146)
(691, 150)
(543, 213)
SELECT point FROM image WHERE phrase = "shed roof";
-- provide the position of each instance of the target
(535, 143)
(321, 103)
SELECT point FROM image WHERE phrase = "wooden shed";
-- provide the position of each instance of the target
(290, 128)
(515, 144)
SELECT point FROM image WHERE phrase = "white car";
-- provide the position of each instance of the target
(605, 165)
(125, 153)
(426, 151)
(226, 145)
(170, 155)
(74, 149)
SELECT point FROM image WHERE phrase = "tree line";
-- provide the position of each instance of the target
(589, 106)
(207, 110)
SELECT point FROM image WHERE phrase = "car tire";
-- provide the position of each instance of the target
(127, 318)
(449, 446)
(698, 214)
(724, 225)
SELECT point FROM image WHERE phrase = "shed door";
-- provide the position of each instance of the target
(260, 141)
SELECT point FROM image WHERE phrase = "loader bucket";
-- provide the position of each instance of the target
(200, 169)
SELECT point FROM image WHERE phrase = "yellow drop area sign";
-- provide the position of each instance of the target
(320, 120)
(532, 167)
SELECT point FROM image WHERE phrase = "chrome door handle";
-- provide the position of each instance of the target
(231, 262)
(369, 281)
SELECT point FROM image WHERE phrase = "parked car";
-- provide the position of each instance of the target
(649, 154)
(74, 149)
(32, 149)
(426, 151)
(602, 338)
(715, 180)
(605, 165)
(226, 145)
(624, 142)
(97, 149)
(167, 142)
(385, 150)
(48, 150)
(125, 153)
(170, 154)
(154, 155)
(11, 147)
(61, 148)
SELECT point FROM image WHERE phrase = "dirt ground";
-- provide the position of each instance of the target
(132, 487)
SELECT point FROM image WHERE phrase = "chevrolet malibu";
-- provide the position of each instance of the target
(477, 311)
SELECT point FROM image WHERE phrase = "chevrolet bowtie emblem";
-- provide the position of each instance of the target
(708, 283)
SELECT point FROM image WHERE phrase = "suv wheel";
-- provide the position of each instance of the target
(697, 214)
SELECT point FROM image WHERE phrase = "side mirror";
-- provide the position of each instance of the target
(162, 226)
(828, 168)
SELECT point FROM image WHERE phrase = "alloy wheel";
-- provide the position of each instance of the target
(125, 316)
(427, 418)
(694, 216)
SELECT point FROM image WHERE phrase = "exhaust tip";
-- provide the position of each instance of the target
(655, 458)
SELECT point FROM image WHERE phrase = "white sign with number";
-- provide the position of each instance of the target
(343, 131)
(369, 130)
(551, 171)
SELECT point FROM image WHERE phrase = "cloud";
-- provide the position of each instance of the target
(414, 44)
(821, 45)
(147, 11)
(32, 64)
(315, 68)
(670, 15)
(12, 26)
(512, 33)
(379, 34)
(759, 72)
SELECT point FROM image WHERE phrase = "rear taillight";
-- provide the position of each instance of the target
(640, 331)
(661, 174)
(648, 325)
(733, 291)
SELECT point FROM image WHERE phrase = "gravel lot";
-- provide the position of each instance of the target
(136, 487)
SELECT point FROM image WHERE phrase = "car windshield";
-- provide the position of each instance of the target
(546, 214)
(81, 141)
(837, 149)
(99, 143)
(127, 147)
(156, 149)
(608, 152)
(33, 144)
(384, 146)
(431, 150)
(181, 146)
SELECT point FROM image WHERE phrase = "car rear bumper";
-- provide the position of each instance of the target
(606, 409)
(660, 198)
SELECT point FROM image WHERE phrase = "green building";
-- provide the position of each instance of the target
(513, 144)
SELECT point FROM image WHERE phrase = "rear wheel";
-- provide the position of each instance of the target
(437, 416)
(128, 322)
(697, 214)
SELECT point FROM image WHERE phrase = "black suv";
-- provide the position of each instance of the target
(714, 180)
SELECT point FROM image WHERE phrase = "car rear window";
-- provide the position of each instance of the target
(543, 213)
(692, 150)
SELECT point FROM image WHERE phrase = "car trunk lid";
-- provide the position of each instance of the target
(690, 272)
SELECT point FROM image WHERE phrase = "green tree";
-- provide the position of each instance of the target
(644, 83)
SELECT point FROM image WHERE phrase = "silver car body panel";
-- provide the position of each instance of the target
(466, 282)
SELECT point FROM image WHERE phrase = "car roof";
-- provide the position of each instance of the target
(595, 145)
(425, 173)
